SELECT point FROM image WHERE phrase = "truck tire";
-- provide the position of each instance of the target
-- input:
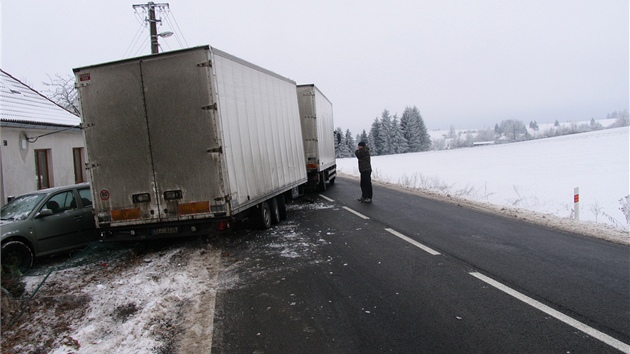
(332, 181)
(275, 210)
(282, 207)
(17, 254)
(264, 215)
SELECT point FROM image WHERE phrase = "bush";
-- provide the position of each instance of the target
(12, 281)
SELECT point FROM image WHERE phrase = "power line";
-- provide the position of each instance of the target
(178, 31)
(167, 19)
(134, 41)
(137, 52)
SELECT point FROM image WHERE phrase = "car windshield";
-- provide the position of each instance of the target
(20, 207)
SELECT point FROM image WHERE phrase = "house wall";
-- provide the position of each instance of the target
(18, 164)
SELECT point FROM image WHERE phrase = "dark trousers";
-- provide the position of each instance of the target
(366, 184)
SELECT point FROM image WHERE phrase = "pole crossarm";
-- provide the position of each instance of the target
(150, 7)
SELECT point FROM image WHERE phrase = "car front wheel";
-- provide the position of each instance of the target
(17, 254)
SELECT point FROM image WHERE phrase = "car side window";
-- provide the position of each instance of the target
(61, 202)
(86, 197)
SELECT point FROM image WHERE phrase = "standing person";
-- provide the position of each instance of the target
(365, 168)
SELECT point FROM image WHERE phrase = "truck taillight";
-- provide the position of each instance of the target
(193, 208)
(126, 214)
(311, 166)
(172, 195)
(223, 225)
(141, 198)
(218, 209)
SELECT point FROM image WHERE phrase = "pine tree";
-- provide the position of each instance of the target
(409, 124)
(350, 143)
(340, 145)
(384, 143)
(399, 143)
(371, 145)
(375, 140)
(363, 137)
(425, 138)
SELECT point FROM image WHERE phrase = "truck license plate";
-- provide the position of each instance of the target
(165, 230)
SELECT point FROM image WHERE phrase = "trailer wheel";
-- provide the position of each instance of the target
(17, 254)
(275, 210)
(282, 207)
(264, 215)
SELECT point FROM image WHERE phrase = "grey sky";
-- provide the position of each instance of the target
(469, 63)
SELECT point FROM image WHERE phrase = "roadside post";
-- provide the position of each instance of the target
(576, 202)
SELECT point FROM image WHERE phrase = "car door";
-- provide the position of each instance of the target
(61, 230)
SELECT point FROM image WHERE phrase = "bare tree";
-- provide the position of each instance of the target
(62, 92)
(513, 128)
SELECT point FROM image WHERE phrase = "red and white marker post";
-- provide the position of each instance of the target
(576, 202)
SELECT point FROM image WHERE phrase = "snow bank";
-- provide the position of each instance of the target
(537, 176)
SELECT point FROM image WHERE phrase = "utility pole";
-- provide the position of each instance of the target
(150, 6)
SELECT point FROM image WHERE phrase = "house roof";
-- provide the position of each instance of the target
(23, 105)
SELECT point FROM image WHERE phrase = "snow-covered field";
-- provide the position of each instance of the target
(535, 175)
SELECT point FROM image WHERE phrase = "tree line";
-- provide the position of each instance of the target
(388, 135)
(392, 135)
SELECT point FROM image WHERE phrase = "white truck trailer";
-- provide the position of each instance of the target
(182, 142)
(316, 117)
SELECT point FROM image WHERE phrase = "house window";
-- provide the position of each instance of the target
(42, 169)
(79, 171)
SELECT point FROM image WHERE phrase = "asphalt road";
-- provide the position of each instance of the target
(407, 274)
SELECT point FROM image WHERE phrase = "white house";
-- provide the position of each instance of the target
(42, 144)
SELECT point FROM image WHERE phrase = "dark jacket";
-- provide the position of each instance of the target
(364, 159)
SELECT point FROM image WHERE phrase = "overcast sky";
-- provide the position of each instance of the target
(466, 63)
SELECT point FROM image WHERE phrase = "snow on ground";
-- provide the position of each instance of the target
(128, 301)
(153, 297)
(535, 176)
(160, 300)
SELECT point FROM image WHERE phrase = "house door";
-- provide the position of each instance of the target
(41, 169)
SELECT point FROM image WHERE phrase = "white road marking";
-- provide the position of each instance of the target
(559, 315)
(413, 242)
(325, 197)
(356, 213)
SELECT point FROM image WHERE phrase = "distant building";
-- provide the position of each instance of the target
(481, 143)
(42, 144)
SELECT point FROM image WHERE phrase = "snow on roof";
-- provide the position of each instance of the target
(21, 104)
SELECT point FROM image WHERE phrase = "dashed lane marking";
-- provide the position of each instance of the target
(356, 213)
(414, 242)
(625, 348)
(325, 197)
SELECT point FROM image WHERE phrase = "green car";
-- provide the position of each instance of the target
(45, 222)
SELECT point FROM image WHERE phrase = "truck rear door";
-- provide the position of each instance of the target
(151, 137)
